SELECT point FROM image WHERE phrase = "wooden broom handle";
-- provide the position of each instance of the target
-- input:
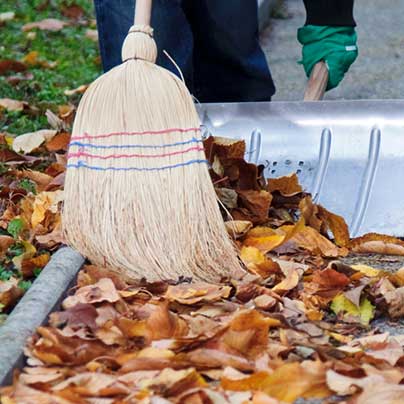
(317, 84)
(143, 12)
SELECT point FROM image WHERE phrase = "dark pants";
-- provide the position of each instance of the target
(214, 42)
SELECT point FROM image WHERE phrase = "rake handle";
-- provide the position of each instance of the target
(317, 84)
(143, 12)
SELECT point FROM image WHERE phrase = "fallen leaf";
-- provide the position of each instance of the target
(29, 265)
(7, 16)
(311, 240)
(364, 313)
(377, 393)
(102, 291)
(228, 197)
(194, 293)
(287, 383)
(43, 203)
(367, 270)
(238, 228)
(12, 105)
(289, 283)
(30, 141)
(49, 24)
(79, 90)
(256, 202)
(354, 295)
(60, 142)
(257, 262)
(224, 148)
(92, 34)
(5, 243)
(395, 301)
(9, 65)
(286, 186)
(373, 243)
(72, 11)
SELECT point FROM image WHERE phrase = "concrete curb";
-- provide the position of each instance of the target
(265, 8)
(33, 309)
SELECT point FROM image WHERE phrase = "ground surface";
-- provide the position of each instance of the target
(379, 69)
(72, 58)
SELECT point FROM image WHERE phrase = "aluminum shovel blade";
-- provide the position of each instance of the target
(348, 154)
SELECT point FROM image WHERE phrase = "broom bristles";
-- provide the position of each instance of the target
(138, 195)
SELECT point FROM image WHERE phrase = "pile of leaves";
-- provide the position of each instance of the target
(30, 200)
(296, 326)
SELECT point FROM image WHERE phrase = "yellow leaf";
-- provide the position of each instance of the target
(290, 282)
(365, 312)
(367, 270)
(43, 202)
(257, 262)
(30, 251)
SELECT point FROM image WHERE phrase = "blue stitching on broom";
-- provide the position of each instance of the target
(82, 164)
(140, 146)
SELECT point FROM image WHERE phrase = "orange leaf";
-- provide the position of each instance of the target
(256, 262)
(287, 383)
(373, 243)
(286, 186)
(59, 142)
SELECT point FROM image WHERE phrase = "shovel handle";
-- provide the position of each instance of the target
(317, 84)
(143, 12)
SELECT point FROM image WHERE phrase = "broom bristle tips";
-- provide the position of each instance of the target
(139, 44)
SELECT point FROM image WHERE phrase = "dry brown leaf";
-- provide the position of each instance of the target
(329, 282)
(56, 349)
(337, 225)
(194, 293)
(311, 240)
(289, 283)
(102, 291)
(29, 265)
(257, 204)
(224, 148)
(8, 65)
(287, 383)
(395, 301)
(286, 186)
(373, 243)
(72, 11)
(172, 382)
(41, 374)
(5, 243)
(53, 238)
(79, 90)
(377, 393)
(43, 203)
(257, 262)
(238, 228)
(60, 142)
(92, 34)
(49, 24)
(9, 292)
(12, 105)
(33, 59)
(30, 141)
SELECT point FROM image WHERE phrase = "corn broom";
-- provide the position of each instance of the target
(138, 195)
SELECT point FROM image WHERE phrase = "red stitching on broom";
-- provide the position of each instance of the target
(117, 156)
(150, 132)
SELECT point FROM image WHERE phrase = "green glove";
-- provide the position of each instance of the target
(335, 45)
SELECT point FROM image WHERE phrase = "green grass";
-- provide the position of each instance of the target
(76, 56)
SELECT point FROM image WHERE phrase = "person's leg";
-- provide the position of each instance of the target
(171, 32)
(229, 64)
